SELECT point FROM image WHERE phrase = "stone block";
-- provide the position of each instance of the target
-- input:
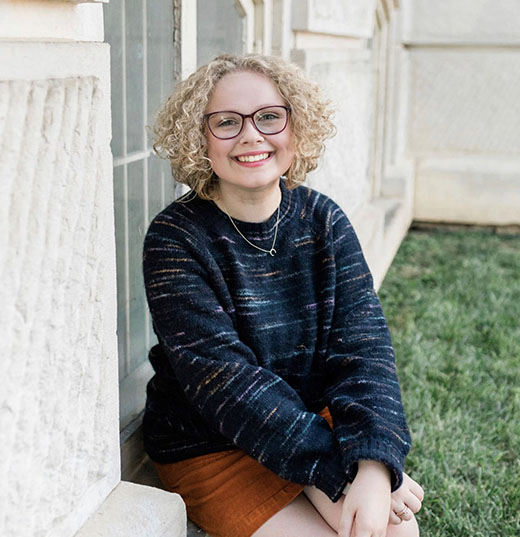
(398, 181)
(138, 468)
(137, 511)
(465, 102)
(472, 191)
(462, 21)
(346, 80)
(353, 18)
(65, 20)
(59, 457)
(368, 222)
(381, 225)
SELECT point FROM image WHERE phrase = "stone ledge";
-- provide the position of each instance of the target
(138, 468)
(461, 22)
(381, 225)
(468, 190)
(136, 510)
(71, 21)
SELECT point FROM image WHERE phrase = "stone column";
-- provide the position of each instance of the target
(59, 455)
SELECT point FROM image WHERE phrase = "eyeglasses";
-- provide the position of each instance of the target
(268, 120)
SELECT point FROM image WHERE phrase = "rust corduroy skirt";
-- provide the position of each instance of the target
(229, 494)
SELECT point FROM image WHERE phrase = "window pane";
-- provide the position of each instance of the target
(134, 34)
(142, 184)
(220, 29)
(113, 16)
(121, 246)
(157, 198)
(170, 187)
(160, 57)
(136, 232)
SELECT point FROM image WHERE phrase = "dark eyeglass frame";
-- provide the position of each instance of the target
(246, 116)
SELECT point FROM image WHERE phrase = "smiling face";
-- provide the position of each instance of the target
(251, 161)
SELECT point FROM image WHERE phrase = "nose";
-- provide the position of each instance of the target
(250, 134)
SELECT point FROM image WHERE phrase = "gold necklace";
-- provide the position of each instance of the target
(272, 251)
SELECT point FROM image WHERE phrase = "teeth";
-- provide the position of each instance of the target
(253, 158)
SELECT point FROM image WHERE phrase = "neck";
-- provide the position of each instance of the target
(249, 206)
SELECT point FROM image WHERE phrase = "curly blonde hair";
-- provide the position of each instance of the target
(180, 127)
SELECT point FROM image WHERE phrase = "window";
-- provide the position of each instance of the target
(143, 64)
(221, 28)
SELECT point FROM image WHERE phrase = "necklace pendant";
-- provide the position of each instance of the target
(272, 251)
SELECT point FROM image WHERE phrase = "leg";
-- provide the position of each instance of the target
(331, 512)
(298, 519)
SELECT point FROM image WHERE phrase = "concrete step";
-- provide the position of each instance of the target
(139, 511)
(146, 475)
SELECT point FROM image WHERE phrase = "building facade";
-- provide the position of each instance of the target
(428, 128)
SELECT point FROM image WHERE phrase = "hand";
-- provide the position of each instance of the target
(367, 503)
(408, 498)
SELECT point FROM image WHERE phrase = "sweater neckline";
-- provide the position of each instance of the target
(266, 226)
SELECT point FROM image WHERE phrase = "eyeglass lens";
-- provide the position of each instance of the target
(271, 120)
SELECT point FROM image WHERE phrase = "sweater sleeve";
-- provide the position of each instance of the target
(363, 390)
(248, 404)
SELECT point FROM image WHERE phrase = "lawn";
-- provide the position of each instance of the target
(452, 300)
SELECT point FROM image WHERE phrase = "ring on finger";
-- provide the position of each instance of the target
(403, 513)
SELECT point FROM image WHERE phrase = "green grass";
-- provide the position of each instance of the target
(452, 300)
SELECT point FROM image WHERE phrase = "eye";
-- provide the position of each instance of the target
(268, 116)
(226, 122)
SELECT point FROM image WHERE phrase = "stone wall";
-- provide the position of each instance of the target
(464, 121)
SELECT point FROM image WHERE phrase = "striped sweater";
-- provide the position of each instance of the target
(253, 346)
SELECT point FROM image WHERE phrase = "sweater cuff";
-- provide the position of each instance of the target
(330, 477)
(376, 451)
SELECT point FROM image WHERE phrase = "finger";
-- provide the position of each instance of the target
(406, 514)
(408, 498)
(366, 525)
(417, 490)
(368, 531)
(394, 519)
(358, 530)
(398, 506)
(401, 510)
(413, 486)
(345, 524)
(413, 503)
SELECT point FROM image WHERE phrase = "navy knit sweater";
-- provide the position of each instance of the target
(252, 347)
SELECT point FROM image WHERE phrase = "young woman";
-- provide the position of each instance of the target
(275, 409)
